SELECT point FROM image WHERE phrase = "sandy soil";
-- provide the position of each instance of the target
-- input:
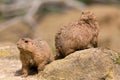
(10, 70)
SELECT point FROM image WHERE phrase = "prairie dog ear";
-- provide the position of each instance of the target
(88, 15)
(86, 12)
(82, 12)
(26, 40)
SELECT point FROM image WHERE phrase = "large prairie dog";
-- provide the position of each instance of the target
(77, 35)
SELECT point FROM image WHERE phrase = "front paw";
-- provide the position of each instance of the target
(24, 75)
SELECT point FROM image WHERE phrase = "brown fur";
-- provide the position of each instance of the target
(77, 35)
(33, 53)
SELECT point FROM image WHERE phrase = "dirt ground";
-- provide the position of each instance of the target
(108, 17)
(9, 70)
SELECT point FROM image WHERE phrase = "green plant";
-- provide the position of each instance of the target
(85, 1)
(118, 60)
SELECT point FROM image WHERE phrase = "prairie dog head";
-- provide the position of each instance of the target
(88, 16)
(25, 44)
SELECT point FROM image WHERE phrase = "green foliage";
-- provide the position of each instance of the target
(85, 1)
(117, 61)
(7, 1)
(2, 17)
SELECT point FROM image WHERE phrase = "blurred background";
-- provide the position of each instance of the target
(43, 18)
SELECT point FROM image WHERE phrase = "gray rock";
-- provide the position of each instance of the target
(90, 64)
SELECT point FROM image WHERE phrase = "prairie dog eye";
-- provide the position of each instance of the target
(26, 41)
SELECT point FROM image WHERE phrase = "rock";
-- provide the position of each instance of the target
(89, 64)
(9, 51)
